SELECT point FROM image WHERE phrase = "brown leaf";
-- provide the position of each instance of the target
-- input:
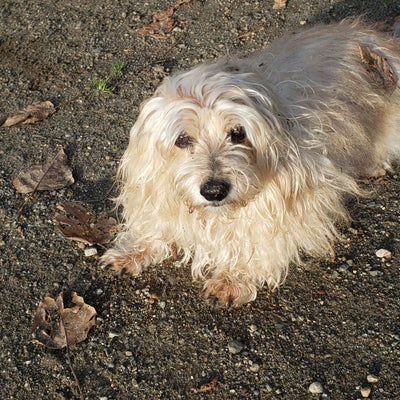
(75, 222)
(279, 4)
(54, 174)
(378, 68)
(31, 113)
(57, 327)
(162, 24)
(207, 387)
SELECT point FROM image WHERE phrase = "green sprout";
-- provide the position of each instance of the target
(102, 84)
(117, 68)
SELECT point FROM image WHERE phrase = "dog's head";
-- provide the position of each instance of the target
(213, 136)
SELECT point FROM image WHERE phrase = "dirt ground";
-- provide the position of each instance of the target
(332, 322)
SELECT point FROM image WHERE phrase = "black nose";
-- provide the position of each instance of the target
(214, 190)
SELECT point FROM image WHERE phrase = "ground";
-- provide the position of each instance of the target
(333, 321)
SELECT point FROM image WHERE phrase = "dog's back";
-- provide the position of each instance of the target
(330, 75)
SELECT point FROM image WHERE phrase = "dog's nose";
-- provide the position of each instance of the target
(214, 190)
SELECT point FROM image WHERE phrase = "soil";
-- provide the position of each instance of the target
(333, 321)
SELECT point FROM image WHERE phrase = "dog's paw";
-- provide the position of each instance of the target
(224, 291)
(120, 263)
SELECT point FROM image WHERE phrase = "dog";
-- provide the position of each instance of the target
(243, 166)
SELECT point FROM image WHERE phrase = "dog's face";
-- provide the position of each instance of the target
(214, 161)
(216, 132)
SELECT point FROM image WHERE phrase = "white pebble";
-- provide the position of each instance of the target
(90, 251)
(383, 253)
(316, 388)
(372, 378)
(255, 368)
(365, 392)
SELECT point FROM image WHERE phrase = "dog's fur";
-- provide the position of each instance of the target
(242, 166)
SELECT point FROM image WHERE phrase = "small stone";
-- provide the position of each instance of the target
(373, 273)
(343, 268)
(161, 304)
(365, 392)
(235, 347)
(90, 251)
(255, 368)
(316, 388)
(128, 353)
(372, 378)
(383, 253)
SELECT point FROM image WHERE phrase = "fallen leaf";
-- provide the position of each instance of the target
(279, 4)
(31, 113)
(207, 387)
(378, 68)
(54, 174)
(57, 327)
(75, 222)
(162, 24)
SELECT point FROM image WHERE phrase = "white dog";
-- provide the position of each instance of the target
(242, 166)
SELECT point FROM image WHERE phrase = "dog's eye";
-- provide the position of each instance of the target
(183, 141)
(237, 134)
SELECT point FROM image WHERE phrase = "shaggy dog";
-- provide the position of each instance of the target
(242, 166)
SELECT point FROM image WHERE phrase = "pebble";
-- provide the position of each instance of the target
(90, 251)
(235, 347)
(255, 368)
(365, 392)
(316, 388)
(383, 253)
(343, 268)
(372, 378)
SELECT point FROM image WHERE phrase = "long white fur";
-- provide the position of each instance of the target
(315, 120)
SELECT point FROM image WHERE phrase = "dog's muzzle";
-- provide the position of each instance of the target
(214, 190)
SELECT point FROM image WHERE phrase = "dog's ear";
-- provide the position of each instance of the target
(141, 158)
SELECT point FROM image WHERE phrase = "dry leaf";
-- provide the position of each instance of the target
(378, 68)
(207, 387)
(30, 114)
(57, 327)
(162, 24)
(54, 174)
(279, 4)
(75, 222)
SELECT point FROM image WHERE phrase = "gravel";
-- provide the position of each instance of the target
(332, 322)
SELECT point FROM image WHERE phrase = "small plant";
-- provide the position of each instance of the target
(116, 69)
(102, 84)
(107, 84)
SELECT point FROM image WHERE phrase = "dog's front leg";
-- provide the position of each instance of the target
(227, 288)
(132, 256)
